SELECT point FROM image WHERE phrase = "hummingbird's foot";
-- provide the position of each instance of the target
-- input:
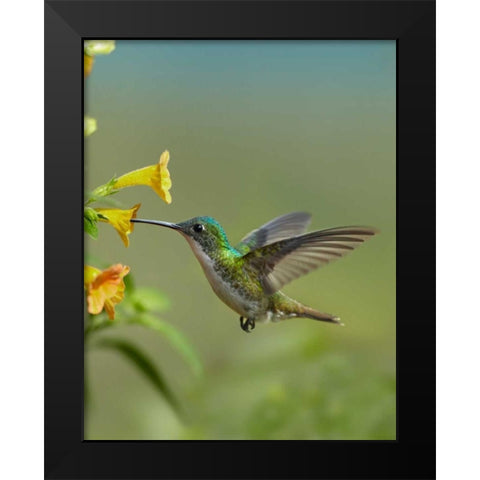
(247, 324)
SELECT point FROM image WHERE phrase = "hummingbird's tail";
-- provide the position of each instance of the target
(308, 312)
(287, 307)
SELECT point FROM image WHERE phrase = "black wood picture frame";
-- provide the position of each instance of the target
(412, 25)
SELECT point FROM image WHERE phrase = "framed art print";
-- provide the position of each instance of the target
(241, 280)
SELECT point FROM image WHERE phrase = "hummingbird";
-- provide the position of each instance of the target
(248, 276)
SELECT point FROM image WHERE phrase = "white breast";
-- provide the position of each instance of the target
(223, 289)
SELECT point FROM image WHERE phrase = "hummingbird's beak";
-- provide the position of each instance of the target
(174, 226)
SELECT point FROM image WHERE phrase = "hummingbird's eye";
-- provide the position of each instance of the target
(198, 227)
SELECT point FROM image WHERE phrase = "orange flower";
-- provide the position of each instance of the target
(120, 220)
(104, 288)
(155, 176)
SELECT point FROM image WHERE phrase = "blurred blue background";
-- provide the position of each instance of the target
(255, 129)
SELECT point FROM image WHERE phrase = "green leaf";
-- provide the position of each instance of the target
(146, 299)
(90, 227)
(144, 364)
(174, 336)
(129, 282)
(90, 213)
(89, 126)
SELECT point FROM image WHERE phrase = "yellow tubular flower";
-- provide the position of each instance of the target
(104, 288)
(120, 220)
(155, 176)
(87, 65)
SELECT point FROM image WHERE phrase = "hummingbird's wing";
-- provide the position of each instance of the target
(279, 228)
(281, 262)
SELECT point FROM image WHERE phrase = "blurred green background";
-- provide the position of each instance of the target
(255, 129)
